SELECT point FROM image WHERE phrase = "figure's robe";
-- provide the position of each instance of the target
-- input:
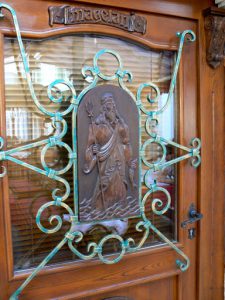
(113, 155)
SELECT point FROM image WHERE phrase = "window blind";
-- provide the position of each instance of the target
(64, 57)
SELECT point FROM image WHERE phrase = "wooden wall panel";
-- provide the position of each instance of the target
(87, 281)
(163, 289)
(211, 196)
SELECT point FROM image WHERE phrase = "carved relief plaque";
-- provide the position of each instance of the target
(108, 154)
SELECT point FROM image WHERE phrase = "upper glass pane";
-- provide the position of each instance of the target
(63, 58)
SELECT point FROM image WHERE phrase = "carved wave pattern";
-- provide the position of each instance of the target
(117, 210)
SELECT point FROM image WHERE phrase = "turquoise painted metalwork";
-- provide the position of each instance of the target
(93, 75)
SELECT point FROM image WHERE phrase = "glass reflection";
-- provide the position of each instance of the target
(63, 58)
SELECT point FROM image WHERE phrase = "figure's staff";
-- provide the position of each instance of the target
(89, 109)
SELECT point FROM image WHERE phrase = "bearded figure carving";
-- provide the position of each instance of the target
(109, 149)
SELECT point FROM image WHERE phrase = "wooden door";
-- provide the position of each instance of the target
(151, 273)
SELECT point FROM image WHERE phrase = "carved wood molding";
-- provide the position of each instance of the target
(117, 298)
(215, 35)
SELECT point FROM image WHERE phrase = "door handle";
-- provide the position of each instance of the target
(194, 216)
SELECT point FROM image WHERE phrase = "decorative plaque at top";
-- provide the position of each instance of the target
(69, 15)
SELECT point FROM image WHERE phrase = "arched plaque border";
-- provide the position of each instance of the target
(109, 181)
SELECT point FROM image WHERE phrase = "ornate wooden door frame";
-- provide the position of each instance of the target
(211, 95)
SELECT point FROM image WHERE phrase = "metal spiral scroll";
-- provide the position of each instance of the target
(73, 237)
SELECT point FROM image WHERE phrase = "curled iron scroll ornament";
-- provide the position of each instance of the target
(74, 236)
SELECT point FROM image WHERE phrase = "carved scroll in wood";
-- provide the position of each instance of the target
(69, 15)
(108, 155)
(215, 36)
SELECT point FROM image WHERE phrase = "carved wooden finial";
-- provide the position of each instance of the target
(215, 35)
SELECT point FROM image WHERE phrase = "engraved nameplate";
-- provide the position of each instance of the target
(69, 15)
(108, 154)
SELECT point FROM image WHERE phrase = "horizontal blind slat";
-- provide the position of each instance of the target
(62, 57)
